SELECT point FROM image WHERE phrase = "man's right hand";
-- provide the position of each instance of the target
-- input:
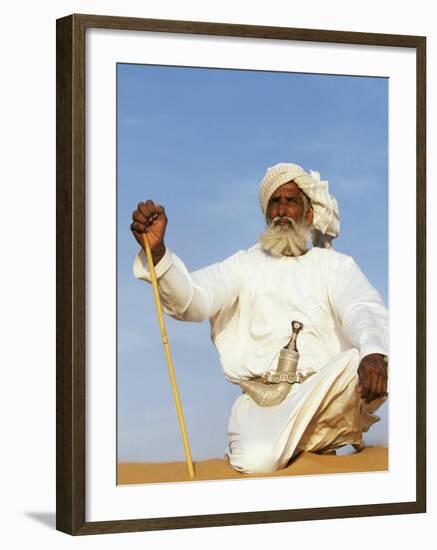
(150, 218)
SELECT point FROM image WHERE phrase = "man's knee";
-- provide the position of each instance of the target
(254, 458)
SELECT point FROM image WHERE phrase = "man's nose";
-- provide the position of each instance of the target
(281, 208)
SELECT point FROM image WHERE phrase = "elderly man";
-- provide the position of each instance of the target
(300, 329)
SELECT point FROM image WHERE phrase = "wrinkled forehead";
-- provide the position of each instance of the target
(291, 188)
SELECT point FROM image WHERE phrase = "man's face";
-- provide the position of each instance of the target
(287, 201)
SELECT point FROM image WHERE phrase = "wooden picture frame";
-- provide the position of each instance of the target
(71, 274)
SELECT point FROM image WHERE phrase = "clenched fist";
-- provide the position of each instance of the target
(150, 218)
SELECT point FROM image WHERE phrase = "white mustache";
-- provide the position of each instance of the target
(276, 219)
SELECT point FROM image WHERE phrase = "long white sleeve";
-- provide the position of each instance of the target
(360, 309)
(195, 296)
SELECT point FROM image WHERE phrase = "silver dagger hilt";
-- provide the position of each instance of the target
(288, 359)
(296, 327)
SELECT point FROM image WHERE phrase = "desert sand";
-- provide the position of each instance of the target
(370, 459)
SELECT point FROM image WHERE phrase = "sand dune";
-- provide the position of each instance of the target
(370, 459)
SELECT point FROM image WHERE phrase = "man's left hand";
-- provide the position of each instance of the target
(372, 375)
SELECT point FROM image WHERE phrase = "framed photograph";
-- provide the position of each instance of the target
(220, 137)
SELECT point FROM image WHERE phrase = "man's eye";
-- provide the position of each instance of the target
(291, 199)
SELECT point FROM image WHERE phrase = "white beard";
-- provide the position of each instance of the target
(285, 240)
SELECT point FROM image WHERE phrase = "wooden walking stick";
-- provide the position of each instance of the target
(167, 354)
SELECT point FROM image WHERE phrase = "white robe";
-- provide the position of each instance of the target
(251, 298)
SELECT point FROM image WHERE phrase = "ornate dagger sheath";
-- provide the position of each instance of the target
(273, 388)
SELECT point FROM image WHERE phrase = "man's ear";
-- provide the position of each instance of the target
(309, 215)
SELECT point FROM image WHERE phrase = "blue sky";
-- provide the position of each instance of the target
(198, 141)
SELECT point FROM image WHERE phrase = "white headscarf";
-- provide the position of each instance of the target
(326, 218)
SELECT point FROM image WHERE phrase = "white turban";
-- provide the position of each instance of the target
(326, 219)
